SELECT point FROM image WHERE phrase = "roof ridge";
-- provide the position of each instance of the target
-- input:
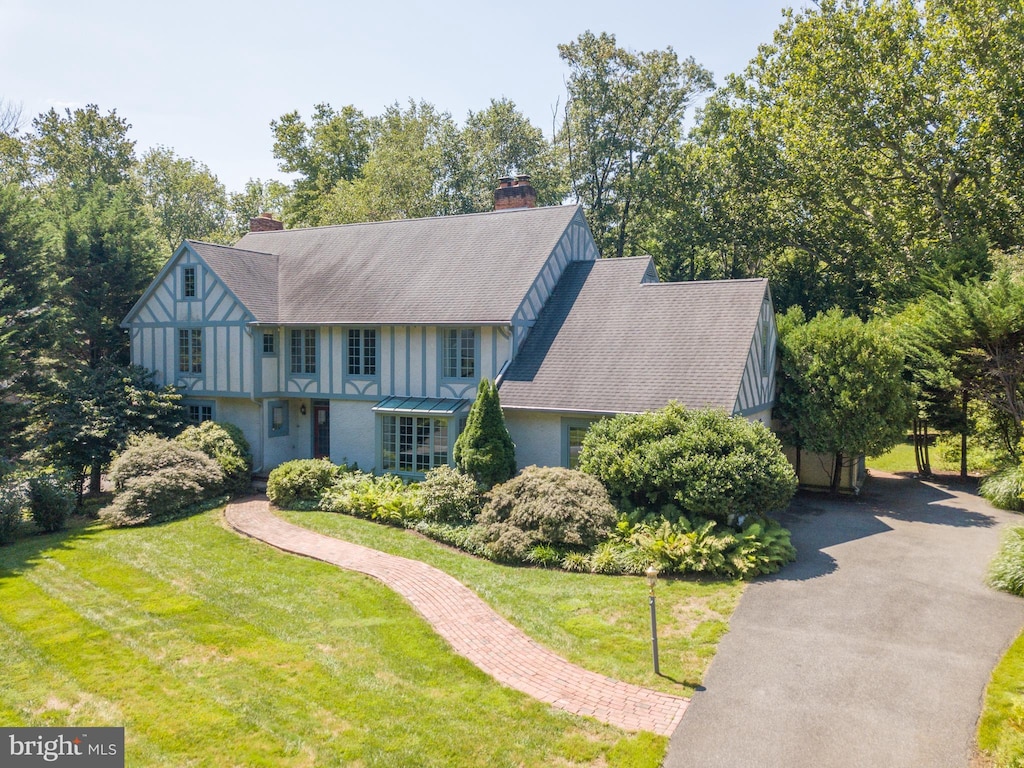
(721, 281)
(229, 247)
(418, 218)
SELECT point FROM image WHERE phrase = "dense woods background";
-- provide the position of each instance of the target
(869, 161)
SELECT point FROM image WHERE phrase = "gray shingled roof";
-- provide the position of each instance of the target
(608, 343)
(250, 275)
(454, 269)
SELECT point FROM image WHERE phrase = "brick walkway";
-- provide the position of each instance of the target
(472, 628)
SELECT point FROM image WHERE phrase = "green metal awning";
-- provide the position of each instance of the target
(434, 406)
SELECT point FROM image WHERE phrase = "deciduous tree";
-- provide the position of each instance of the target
(256, 197)
(332, 148)
(878, 134)
(622, 110)
(77, 151)
(184, 198)
(417, 167)
(501, 141)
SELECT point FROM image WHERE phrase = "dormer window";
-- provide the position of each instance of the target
(188, 281)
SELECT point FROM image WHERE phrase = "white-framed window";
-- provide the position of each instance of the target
(198, 411)
(362, 351)
(190, 350)
(189, 287)
(303, 351)
(269, 343)
(459, 356)
(277, 418)
(413, 443)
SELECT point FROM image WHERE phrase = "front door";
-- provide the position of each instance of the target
(321, 430)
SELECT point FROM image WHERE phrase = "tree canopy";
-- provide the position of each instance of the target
(622, 110)
(878, 132)
(841, 388)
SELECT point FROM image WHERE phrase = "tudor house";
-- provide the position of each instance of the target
(365, 342)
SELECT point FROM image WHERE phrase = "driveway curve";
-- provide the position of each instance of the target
(872, 650)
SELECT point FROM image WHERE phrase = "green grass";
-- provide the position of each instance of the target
(599, 622)
(901, 459)
(1001, 726)
(215, 650)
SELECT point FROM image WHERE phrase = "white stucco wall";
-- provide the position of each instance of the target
(244, 414)
(537, 437)
(353, 433)
(765, 417)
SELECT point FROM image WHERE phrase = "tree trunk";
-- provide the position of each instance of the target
(837, 473)
(927, 457)
(918, 453)
(963, 436)
(79, 488)
(94, 479)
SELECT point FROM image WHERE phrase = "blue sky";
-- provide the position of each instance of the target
(206, 78)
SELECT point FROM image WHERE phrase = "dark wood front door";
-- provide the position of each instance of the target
(321, 430)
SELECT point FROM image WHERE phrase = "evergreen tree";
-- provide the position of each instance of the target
(29, 324)
(110, 256)
(485, 449)
(841, 389)
(91, 412)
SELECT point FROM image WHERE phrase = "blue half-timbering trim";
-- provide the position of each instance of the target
(158, 281)
(423, 359)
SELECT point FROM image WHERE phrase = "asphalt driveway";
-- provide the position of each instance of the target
(872, 650)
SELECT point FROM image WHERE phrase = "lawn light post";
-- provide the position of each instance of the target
(652, 579)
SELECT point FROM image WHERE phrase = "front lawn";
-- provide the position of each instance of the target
(214, 650)
(599, 622)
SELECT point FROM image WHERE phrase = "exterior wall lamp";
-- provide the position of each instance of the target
(302, 409)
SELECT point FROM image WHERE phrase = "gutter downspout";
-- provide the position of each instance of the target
(252, 396)
(501, 374)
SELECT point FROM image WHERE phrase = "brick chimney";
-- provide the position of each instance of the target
(265, 222)
(514, 193)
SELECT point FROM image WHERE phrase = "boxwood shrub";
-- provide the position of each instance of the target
(699, 464)
(302, 480)
(50, 501)
(449, 496)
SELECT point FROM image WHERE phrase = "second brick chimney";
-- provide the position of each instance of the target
(514, 193)
(265, 222)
